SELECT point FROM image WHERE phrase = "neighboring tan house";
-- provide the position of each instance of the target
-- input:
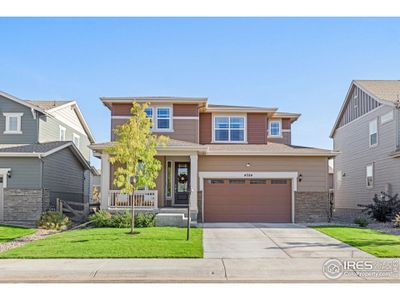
(366, 135)
(44, 155)
(229, 163)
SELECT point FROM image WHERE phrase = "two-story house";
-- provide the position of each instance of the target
(44, 155)
(228, 163)
(367, 136)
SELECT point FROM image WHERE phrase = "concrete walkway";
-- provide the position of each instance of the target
(174, 270)
(263, 240)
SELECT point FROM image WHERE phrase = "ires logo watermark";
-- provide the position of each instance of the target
(335, 268)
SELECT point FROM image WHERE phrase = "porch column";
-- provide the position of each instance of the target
(193, 183)
(105, 180)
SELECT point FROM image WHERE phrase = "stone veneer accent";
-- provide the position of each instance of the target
(347, 215)
(25, 204)
(311, 207)
(199, 206)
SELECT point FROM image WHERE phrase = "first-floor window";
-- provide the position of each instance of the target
(229, 129)
(13, 123)
(370, 175)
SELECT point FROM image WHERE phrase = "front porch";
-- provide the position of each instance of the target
(176, 187)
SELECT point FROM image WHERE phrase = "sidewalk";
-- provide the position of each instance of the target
(173, 270)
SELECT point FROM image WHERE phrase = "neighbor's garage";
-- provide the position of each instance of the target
(247, 200)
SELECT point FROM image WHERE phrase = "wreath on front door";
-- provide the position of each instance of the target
(182, 178)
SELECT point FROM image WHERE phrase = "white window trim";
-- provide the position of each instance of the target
(62, 129)
(280, 128)
(229, 116)
(155, 119)
(373, 176)
(76, 136)
(7, 127)
(369, 133)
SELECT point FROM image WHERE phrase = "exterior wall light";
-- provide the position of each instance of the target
(300, 177)
(248, 165)
(9, 173)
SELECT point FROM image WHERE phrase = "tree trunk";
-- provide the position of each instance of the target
(133, 212)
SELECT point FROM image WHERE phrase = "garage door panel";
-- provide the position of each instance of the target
(226, 200)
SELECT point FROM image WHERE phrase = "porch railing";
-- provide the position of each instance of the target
(144, 199)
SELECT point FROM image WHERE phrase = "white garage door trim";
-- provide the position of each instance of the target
(258, 175)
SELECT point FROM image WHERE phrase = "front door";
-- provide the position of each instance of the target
(182, 183)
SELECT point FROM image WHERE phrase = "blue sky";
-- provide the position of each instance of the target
(300, 65)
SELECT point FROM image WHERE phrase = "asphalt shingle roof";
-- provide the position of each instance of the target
(387, 90)
(31, 148)
(46, 105)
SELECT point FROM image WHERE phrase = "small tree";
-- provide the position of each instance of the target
(134, 153)
(383, 208)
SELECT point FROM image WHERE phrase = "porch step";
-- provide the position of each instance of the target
(173, 210)
(170, 219)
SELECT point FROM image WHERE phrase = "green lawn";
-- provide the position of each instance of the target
(8, 233)
(153, 242)
(374, 242)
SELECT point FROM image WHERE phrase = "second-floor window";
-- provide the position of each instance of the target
(62, 133)
(275, 129)
(163, 118)
(76, 139)
(229, 129)
(13, 123)
(373, 133)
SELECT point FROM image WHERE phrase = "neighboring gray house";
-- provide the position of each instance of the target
(367, 136)
(44, 155)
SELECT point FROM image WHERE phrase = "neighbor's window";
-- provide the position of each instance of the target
(370, 175)
(76, 139)
(169, 179)
(163, 118)
(13, 123)
(62, 133)
(275, 128)
(229, 129)
(373, 132)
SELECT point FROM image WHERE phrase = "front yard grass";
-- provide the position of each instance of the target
(8, 233)
(152, 242)
(372, 241)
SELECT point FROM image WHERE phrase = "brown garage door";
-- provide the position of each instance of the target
(247, 200)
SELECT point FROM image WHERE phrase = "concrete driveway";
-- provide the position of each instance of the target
(267, 240)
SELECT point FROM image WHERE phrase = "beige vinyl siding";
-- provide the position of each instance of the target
(352, 140)
(49, 130)
(313, 169)
(184, 130)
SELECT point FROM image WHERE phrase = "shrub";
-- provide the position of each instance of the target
(383, 208)
(53, 220)
(101, 218)
(121, 220)
(145, 220)
(361, 221)
(396, 220)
